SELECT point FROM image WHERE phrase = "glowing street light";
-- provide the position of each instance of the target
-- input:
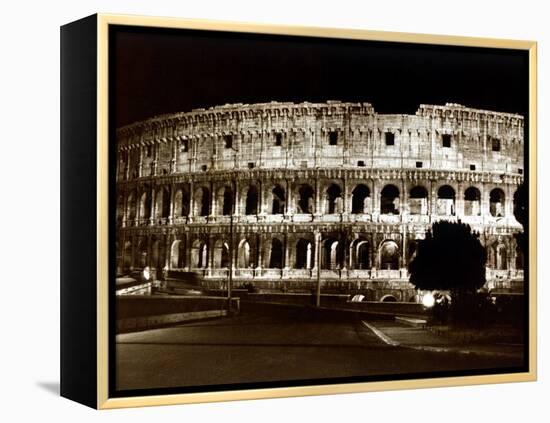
(146, 273)
(428, 300)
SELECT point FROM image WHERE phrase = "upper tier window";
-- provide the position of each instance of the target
(390, 138)
(495, 144)
(278, 139)
(184, 146)
(333, 138)
(228, 141)
(446, 140)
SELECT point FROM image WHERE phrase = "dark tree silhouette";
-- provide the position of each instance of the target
(451, 258)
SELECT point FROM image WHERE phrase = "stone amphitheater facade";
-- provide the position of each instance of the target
(281, 193)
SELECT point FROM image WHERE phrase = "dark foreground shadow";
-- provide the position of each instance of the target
(51, 387)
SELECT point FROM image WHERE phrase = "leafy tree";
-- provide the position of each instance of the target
(451, 258)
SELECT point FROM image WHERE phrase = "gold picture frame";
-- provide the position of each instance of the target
(100, 359)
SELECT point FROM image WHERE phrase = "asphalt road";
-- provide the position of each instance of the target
(266, 346)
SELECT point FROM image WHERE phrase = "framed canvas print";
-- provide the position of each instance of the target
(255, 211)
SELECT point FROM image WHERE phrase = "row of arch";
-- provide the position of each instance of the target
(277, 201)
(203, 254)
(336, 254)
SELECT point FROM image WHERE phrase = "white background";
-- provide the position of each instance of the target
(29, 209)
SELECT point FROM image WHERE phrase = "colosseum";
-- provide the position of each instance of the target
(281, 194)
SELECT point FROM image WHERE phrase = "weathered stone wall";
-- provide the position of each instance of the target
(289, 180)
(286, 135)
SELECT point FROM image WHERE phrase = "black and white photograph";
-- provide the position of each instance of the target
(275, 212)
(293, 211)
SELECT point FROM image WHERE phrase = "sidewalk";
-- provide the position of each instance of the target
(406, 336)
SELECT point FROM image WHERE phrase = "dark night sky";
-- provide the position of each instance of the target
(168, 71)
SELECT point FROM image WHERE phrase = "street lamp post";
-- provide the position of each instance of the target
(230, 278)
(231, 246)
(318, 252)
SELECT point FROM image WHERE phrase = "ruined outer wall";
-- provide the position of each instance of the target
(187, 142)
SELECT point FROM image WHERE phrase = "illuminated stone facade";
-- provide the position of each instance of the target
(289, 180)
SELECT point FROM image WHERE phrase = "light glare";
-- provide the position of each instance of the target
(428, 300)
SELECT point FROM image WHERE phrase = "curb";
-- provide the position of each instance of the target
(381, 335)
(356, 312)
(417, 323)
(137, 324)
(389, 341)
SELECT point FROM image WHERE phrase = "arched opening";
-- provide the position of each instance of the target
(119, 210)
(276, 256)
(360, 199)
(472, 202)
(225, 256)
(362, 255)
(305, 199)
(175, 254)
(446, 201)
(519, 257)
(389, 256)
(203, 258)
(182, 250)
(252, 200)
(178, 212)
(185, 203)
(227, 199)
(303, 254)
(243, 259)
(155, 256)
(199, 254)
(127, 256)
(334, 199)
(388, 299)
(142, 253)
(221, 254)
(332, 254)
(278, 203)
(181, 203)
(162, 254)
(496, 202)
(131, 206)
(202, 201)
(156, 261)
(418, 200)
(501, 257)
(389, 203)
(163, 203)
(145, 206)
